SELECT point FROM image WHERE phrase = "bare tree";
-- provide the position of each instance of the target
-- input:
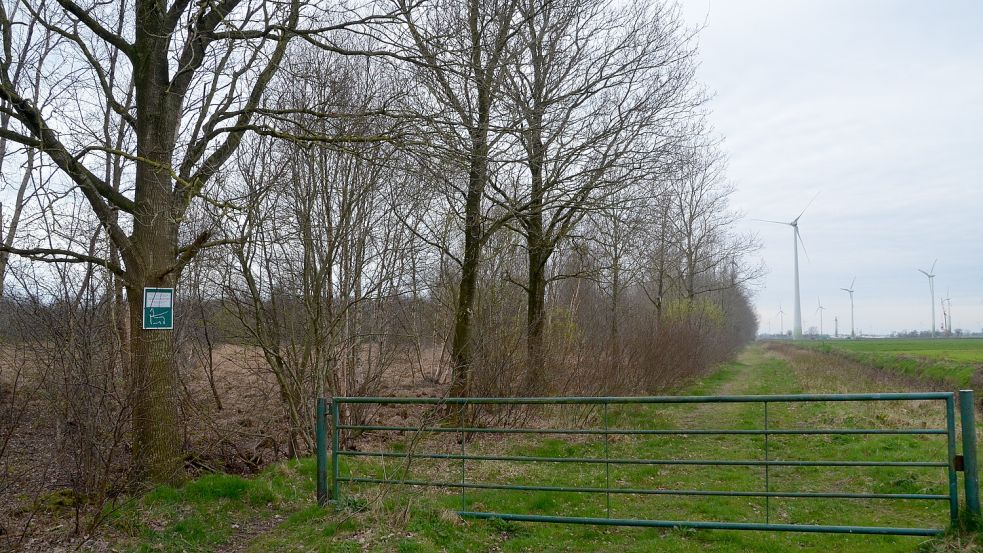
(617, 233)
(317, 252)
(462, 50)
(601, 90)
(30, 81)
(701, 222)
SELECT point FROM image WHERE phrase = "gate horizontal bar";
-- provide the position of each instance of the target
(617, 461)
(637, 491)
(895, 396)
(880, 530)
(646, 432)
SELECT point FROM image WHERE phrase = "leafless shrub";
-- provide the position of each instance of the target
(69, 402)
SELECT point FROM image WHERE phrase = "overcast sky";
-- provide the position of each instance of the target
(878, 107)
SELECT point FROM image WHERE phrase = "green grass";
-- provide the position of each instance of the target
(209, 510)
(968, 350)
(951, 360)
(274, 511)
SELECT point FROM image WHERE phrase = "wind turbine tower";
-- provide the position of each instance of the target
(931, 288)
(850, 291)
(947, 312)
(820, 310)
(781, 319)
(796, 240)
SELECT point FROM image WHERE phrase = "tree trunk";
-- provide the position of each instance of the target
(157, 440)
(615, 304)
(157, 448)
(461, 345)
(538, 253)
(661, 269)
(157, 444)
(536, 322)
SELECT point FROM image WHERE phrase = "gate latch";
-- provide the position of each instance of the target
(958, 463)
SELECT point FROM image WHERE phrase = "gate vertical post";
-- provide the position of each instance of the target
(607, 461)
(950, 428)
(461, 421)
(767, 475)
(335, 444)
(971, 478)
(321, 444)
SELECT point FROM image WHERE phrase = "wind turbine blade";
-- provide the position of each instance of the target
(846, 289)
(770, 221)
(932, 270)
(799, 236)
(806, 207)
(852, 282)
(924, 273)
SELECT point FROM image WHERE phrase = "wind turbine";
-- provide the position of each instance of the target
(947, 313)
(796, 240)
(781, 318)
(850, 291)
(931, 288)
(820, 310)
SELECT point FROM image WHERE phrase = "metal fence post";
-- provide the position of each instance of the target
(464, 503)
(767, 475)
(320, 422)
(607, 460)
(335, 441)
(950, 427)
(971, 479)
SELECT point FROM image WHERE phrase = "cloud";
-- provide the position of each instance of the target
(877, 105)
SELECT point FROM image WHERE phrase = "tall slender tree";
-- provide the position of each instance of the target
(462, 51)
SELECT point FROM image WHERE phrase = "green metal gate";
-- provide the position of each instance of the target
(329, 487)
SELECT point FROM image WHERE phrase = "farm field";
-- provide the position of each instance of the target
(952, 362)
(967, 350)
(275, 510)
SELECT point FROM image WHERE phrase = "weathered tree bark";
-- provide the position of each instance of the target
(539, 248)
(154, 243)
(157, 443)
(473, 238)
(615, 310)
(660, 268)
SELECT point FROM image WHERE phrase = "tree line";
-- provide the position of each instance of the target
(505, 196)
